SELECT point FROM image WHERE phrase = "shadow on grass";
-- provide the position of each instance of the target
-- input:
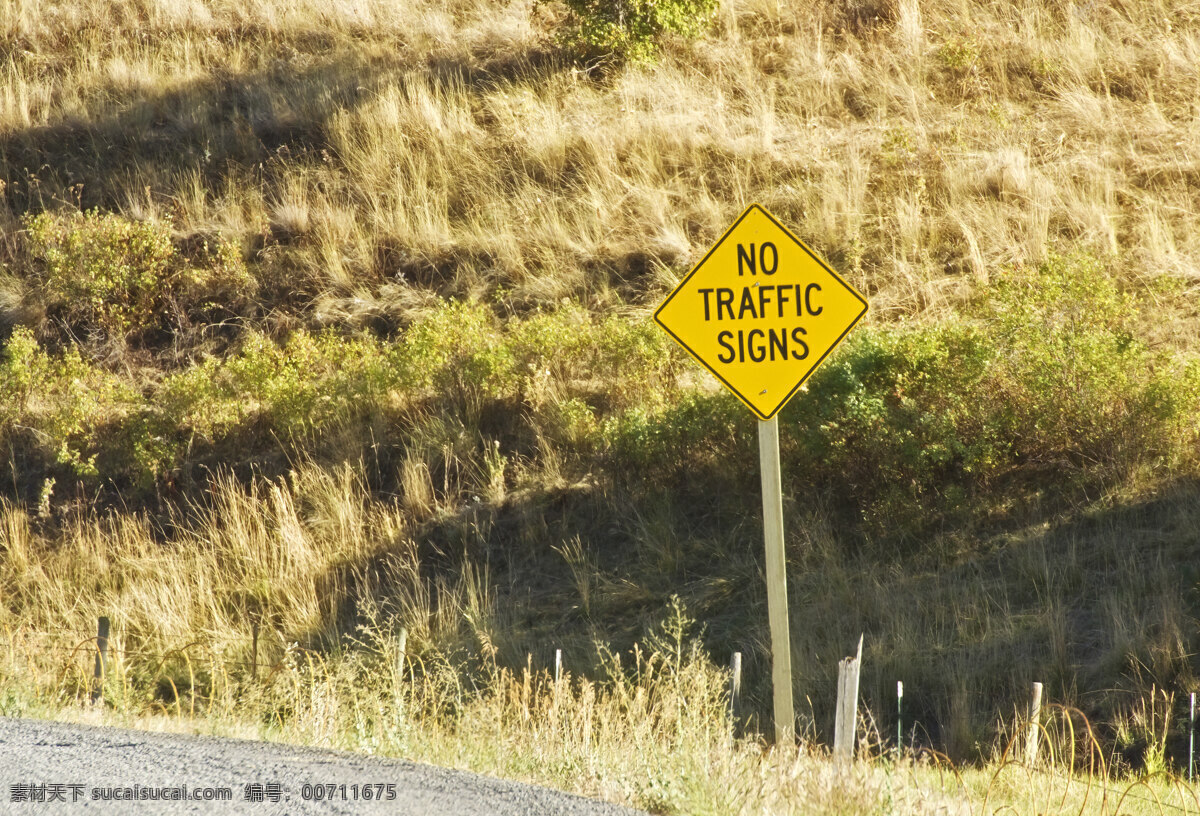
(1100, 606)
(225, 128)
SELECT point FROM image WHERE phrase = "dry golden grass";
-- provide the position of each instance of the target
(921, 146)
(371, 159)
(286, 555)
(331, 576)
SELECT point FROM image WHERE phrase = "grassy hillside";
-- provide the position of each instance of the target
(333, 318)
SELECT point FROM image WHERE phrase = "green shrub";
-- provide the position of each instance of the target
(61, 405)
(302, 387)
(891, 422)
(573, 422)
(1045, 382)
(1079, 387)
(105, 273)
(632, 360)
(571, 370)
(696, 438)
(632, 29)
(314, 382)
(637, 361)
(21, 369)
(460, 349)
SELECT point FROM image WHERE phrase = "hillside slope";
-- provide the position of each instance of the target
(317, 315)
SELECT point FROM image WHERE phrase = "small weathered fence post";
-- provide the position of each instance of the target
(899, 718)
(557, 666)
(845, 720)
(1035, 713)
(401, 652)
(1192, 738)
(735, 687)
(254, 650)
(101, 668)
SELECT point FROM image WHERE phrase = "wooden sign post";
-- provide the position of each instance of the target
(761, 311)
(777, 603)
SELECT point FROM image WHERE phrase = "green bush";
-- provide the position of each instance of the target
(1043, 383)
(1046, 382)
(633, 360)
(698, 438)
(61, 406)
(457, 349)
(1079, 387)
(105, 273)
(570, 370)
(632, 29)
(21, 370)
(892, 423)
(454, 357)
(297, 389)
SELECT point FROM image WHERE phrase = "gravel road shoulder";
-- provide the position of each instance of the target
(86, 769)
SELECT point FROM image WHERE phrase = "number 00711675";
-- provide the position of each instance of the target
(348, 793)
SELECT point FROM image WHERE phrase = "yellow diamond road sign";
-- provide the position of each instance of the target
(761, 311)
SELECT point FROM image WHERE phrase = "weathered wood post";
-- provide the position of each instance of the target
(401, 652)
(1192, 738)
(777, 601)
(846, 717)
(1035, 713)
(101, 666)
(735, 687)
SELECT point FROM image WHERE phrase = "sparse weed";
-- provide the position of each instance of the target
(958, 54)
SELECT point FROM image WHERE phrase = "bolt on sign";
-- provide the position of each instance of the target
(761, 311)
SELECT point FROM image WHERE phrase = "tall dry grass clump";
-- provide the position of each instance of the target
(652, 730)
(268, 553)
